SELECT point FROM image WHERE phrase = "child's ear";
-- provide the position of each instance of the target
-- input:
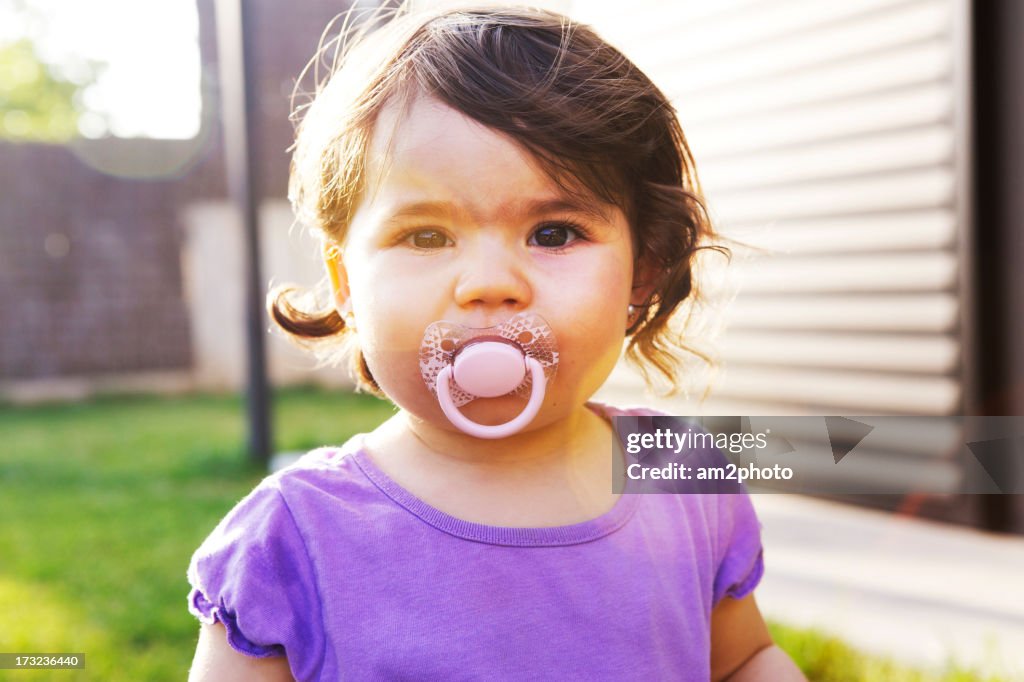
(338, 276)
(645, 282)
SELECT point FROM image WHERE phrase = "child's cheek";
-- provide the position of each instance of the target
(390, 340)
(397, 372)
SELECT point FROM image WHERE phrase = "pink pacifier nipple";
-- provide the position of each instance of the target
(488, 369)
(460, 364)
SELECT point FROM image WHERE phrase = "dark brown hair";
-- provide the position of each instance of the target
(595, 122)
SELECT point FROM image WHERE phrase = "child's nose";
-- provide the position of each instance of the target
(492, 276)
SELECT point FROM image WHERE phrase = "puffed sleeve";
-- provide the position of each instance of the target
(253, 574)
(740, 561)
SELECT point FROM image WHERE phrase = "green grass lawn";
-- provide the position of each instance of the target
(103, 502)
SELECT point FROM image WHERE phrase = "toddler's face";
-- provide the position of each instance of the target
(458, 223)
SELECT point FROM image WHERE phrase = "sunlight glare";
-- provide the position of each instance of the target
(151, 85)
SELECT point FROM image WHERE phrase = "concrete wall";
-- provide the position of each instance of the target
(212, 271)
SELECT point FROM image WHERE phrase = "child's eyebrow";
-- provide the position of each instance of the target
(523, 208)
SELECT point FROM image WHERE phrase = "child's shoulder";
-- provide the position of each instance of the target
(331, 470)
(262, 552)
(326, 478)
(609, 411)
(334, 462)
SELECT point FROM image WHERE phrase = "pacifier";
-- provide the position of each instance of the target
(460, 364)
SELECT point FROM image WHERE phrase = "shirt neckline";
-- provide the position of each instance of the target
(548, 536)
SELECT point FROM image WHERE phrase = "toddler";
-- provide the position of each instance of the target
(503, 199)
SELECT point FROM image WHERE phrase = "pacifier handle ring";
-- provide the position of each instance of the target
(463, 423)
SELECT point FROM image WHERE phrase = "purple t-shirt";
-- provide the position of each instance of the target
(333, 564)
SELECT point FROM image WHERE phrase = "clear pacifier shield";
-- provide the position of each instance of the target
(526, 331)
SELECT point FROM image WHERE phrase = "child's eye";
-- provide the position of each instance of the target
(556, 235)
(428, 239)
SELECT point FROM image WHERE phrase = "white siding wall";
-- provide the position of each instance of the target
(829, 135)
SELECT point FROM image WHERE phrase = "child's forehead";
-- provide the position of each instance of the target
(427, 148)
(425, 152)
(423, 133)
(425, 130)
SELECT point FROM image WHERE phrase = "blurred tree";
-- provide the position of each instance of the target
(41, 97)
(36, 104)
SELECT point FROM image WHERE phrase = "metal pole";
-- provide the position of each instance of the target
(235, 58)
(999, 137)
